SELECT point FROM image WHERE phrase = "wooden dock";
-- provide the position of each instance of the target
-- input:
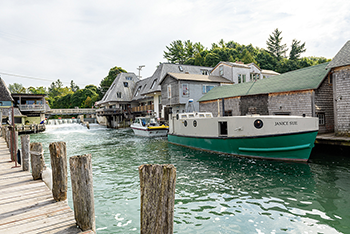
(27, 206)
(332, 139)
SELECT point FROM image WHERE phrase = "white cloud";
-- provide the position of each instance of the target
(82, 40)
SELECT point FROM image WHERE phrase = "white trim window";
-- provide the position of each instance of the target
(169, 91)
(221, 70)
(185, 90)
(321, 119)
(207, 88)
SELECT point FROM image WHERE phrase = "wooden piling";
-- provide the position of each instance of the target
(37, 160)
(157, 183)
(25, 142)
(58, 154)
(83, 193)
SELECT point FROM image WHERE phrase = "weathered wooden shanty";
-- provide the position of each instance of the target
(6, 103)
(339, 69)
(178, 88)
(306, 91)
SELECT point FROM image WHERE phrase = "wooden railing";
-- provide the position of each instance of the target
(32, 107)
(71, 111)
(142, 108)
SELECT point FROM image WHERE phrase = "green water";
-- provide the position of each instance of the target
(214, 193)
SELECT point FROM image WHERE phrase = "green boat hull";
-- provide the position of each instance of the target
(290, 147)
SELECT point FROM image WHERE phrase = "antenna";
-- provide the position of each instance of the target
(140, 68)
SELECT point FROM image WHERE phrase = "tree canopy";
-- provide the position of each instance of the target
(108, 80)
(275, 46)
(272, 58)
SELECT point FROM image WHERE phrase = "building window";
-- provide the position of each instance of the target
(205, 72)
(207, 88)
(243, 78)
(138, 91)
(128, 78)
(239, 78)
(126, 84)
(153, 84)
(119, 95)
(221, 70)
(321, 118)
(254, 76)
(185, 90)
(181, 69)
(169, 91)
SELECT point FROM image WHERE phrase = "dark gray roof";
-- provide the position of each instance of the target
(5, 112)
(342, 58)
(140, 88)
(118, 86)
(165, 68)
(5, 94)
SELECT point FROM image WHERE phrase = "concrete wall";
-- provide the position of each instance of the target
(341, 84)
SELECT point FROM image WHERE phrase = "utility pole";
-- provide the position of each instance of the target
(140, 68)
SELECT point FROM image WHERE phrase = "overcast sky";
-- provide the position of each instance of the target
(81, 40)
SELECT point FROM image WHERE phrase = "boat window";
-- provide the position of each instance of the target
(191, 115)
(201, 115)
(223, 128)
(185, 123)
(194, 123)
(183, 116)
(208, 115)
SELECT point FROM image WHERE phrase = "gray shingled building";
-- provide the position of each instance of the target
(339, 69)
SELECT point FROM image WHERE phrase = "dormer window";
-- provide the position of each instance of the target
(204, 72)
(126, 84)
(181, 68)
(153, 84)
(221, 70)
(138, 91)
(128, 78)
(119, 95)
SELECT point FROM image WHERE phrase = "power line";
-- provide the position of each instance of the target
(32, 78)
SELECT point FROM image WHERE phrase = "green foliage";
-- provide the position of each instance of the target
(271, 59)
(275, 46)
(17, 88)
(108, 80)
(296, 49)
(38, 90)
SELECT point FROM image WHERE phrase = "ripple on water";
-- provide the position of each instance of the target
(214, 193)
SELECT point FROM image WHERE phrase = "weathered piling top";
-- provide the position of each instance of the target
(27, 206)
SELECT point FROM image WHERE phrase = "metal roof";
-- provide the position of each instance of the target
(302, 79)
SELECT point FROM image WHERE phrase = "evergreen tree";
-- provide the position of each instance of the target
(296, 49)
(275, 46)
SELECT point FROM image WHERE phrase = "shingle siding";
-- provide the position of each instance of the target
(254, 104)
(174, 91)
(324, 105)
(293, 103)
(341, 81)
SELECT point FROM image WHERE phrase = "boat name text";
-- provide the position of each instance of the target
(284, 123)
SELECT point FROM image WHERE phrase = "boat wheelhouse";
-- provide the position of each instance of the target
(149, 127)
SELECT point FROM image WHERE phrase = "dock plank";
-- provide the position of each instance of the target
(27, 206)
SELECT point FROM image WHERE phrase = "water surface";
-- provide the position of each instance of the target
(214, 193)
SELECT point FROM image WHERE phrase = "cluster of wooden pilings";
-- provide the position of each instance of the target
(157, 184)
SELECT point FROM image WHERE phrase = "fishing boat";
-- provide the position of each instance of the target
(149, 127)
(288, 138)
